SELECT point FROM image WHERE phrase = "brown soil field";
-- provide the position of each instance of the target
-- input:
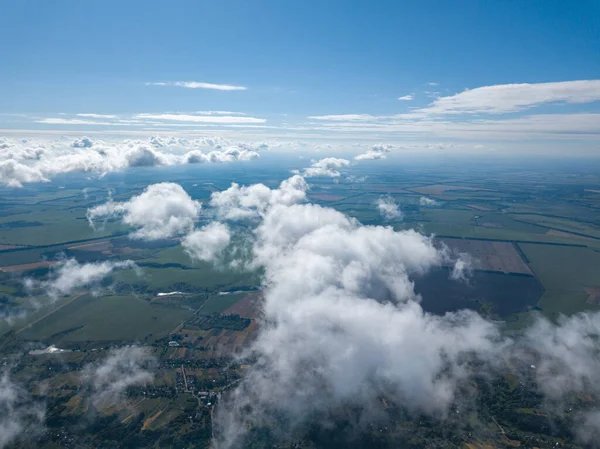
(478, 207)
(102, 246)
(27, 266)
(490, 255)
(3, 247)
(593, 295)
(556, 233)
(247, 307)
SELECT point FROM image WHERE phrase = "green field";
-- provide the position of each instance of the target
(564, 273)
(107, 318)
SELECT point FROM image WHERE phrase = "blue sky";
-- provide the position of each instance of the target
(322, 69)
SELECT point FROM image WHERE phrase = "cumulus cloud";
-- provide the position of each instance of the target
(70, 275)
(462, 268)
(342, 318)
(122, 368)
(328, 166)
(23, 161)
(207, 242)
(388, 208)
(161, 211)
(198, 85)
(14, 174)
(375, 152)
(20, 415)
(406, 98)
(427, 202)
(251, 202)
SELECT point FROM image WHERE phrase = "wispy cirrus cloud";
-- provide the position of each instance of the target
(97, 115)
(474, 113)
(198, 85)
(70, 121)
(220, 113)
(343, 117)
(507, 98)
(409, 97)
(203, 118)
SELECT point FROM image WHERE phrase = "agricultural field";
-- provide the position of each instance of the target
(107, 318)
(490, 255)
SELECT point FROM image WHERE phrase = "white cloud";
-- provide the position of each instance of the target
(23, 161)
(328, 166)
(343, 322)
(505, 98)
(123, 368)
(426, 202)
(343, 117)
(462, 268)
(198, 85)
(14, 174)
(388, 208)
(219, 113)
(378, 151)
(566, 363)
(70, 121)
(220, 119)
(407, 98)
(20, 416)
(431, 83)
(208, 242)
(251, 202)
(162, 211)
(71, 275)
(97, 115)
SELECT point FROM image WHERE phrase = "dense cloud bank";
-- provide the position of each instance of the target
(343, 323)
(26, 161)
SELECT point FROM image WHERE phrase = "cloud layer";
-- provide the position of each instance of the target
(24, 161)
